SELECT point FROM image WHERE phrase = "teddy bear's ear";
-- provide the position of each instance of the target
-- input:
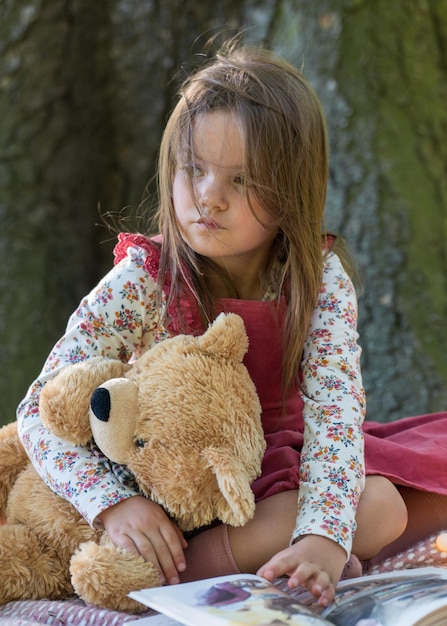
(226, 337)
(238, 505)
(65, 399)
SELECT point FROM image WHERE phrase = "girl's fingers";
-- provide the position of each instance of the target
(327, 596)
(307, 565)
(305, 574)
(315, 580)
(281, 564)
(171, 556)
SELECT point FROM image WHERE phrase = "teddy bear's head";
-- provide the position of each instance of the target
(184, 418)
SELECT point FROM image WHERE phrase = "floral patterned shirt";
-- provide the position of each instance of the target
(119, 319)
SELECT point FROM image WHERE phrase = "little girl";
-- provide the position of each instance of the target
(242, 183)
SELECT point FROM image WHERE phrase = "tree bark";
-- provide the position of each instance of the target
(85, 91)
(380, 69)
(56, 165)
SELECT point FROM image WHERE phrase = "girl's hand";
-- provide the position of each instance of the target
(141, 526)
(314, 562)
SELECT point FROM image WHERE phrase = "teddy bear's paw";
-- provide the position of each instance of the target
(104, 574)
(27, 570)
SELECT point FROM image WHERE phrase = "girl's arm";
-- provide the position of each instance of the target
(117, 319)
(332, 466)
(332, 469)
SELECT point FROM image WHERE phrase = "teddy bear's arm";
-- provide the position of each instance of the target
(13, 459)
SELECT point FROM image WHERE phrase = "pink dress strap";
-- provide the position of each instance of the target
(283, 426)
(191, 322)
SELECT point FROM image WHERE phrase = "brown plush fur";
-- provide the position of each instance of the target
(185, 419)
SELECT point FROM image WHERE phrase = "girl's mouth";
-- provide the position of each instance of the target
(208, 223)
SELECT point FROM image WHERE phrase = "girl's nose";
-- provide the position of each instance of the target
(212, 194)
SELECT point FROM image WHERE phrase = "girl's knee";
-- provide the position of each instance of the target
(382, 514)
(392, 505)
(387, 501)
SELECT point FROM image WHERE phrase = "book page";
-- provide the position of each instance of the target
(394, 600)
(155, 620)
(238, 600)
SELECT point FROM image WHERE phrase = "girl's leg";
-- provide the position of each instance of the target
(267, 533)
(209, 553)
(427, 514)
(381, 517)
(224, 549)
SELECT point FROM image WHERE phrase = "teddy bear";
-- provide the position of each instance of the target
(184, 418)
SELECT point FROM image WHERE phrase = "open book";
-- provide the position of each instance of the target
(415, 597)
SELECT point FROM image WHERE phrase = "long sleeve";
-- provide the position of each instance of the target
(117, 320)
(332, 464)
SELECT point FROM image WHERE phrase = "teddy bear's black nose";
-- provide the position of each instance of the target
(100, 404)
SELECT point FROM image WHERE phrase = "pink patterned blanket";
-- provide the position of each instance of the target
(74, 612)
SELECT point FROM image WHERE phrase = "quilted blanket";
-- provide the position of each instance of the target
(74, 612)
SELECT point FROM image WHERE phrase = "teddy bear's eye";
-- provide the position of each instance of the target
(140, 443)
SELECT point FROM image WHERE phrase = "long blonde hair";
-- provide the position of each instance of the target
(286, 150)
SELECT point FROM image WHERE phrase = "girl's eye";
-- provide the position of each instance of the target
(192, 170)
(240, 180)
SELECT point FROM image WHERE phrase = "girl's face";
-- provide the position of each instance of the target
(219, 222)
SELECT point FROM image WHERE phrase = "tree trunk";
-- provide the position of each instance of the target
(56, 165)
(85, 90)
(380, 69)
